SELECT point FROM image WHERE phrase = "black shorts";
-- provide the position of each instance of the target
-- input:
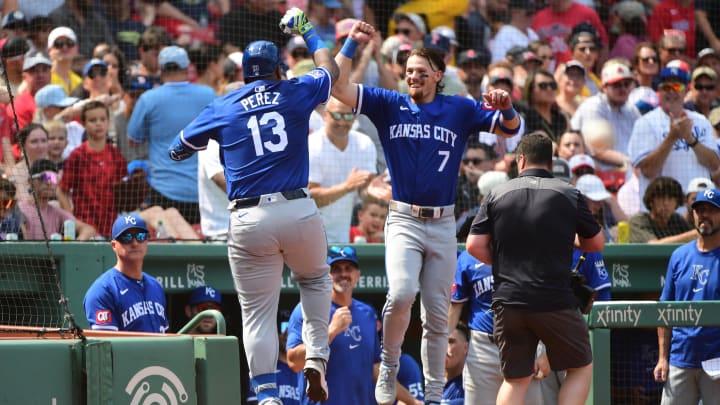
(517, 332)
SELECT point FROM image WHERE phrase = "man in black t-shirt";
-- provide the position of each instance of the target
(526, 228)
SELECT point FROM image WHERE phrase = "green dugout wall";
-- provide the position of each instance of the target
(637, 272)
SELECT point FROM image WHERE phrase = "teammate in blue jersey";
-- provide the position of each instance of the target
(482, 376)
(423, 135)
(354, 343)
(692, 275)
(410, 377)
(125, 298)
(262, 129)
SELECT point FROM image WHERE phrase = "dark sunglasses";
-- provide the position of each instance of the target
(546, 57)
(622, 84)
(69, 43)
(46, 177)
(341, 116)
(584, 49)
(127, 237)
(93, 73)
(675, 50)
(547, 85)
(404, 31)
(475, 161)
(649, 59)
(702, 87)
(7, 204)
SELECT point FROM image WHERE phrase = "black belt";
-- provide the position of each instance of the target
(254, 201)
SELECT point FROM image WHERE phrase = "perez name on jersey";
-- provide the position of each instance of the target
(260, 98)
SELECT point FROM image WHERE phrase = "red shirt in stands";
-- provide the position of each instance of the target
(89, 176)
(669, 14)
(355, 232)
(555, 28)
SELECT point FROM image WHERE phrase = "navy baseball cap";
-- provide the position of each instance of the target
(340, 253)
(92, 63)
(437, 42)
(204, 293)
(127, 222)
(710, 196)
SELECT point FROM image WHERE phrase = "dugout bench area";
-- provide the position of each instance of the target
(46, 369)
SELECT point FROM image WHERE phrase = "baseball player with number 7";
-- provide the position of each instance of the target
(262, 130)
(423, 135)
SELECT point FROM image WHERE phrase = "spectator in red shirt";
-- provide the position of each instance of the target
(555, 23)
(371, 222)
(676, 15)
(91, 170)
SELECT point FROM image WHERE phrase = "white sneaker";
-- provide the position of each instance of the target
(314, 372)
(385, 387)
(271, 401)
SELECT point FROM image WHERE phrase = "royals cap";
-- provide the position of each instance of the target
(127, 222)
(204, 293)
(710, 196)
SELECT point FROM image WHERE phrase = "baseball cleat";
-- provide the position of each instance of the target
(385, 387)
(314, 372)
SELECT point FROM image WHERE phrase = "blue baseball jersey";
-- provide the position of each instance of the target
(593, 268)
(453, 394)
(353, 354)
(410, 376)
(287, 385)
(693, 275)
(424, 144)
(115, 301)
(262, 129)
(474, 283)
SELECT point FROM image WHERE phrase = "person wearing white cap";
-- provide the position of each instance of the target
(80, 17)
(62, 48)
(602, 204)
(611, 104)
(409, 25)
(157, 118)
(36, 75)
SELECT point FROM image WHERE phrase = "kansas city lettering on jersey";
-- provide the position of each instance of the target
(482, 286)
(423, 131)
(260, 99)
(142, 308)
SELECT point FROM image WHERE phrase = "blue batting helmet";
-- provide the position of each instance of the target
(260, 59)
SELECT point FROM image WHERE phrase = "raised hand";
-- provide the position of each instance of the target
(295, 22)
(498, 99)
(362, 32)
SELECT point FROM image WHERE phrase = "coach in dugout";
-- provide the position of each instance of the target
(125, 298)
(526, 229)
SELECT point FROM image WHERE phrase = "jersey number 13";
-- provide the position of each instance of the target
(278, 130)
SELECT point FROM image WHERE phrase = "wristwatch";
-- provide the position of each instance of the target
(693, 144)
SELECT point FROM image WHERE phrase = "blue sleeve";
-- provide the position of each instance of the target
(410, 376)
(485, 117)
(597, 275)
(295, 323)
(137, 127)
(668, 291)
(460, 288)
(100, 308)
(321, 81)
(375, 103)
(198, 132)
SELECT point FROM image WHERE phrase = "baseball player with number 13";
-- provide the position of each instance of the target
(423, 135)
(262, 131)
